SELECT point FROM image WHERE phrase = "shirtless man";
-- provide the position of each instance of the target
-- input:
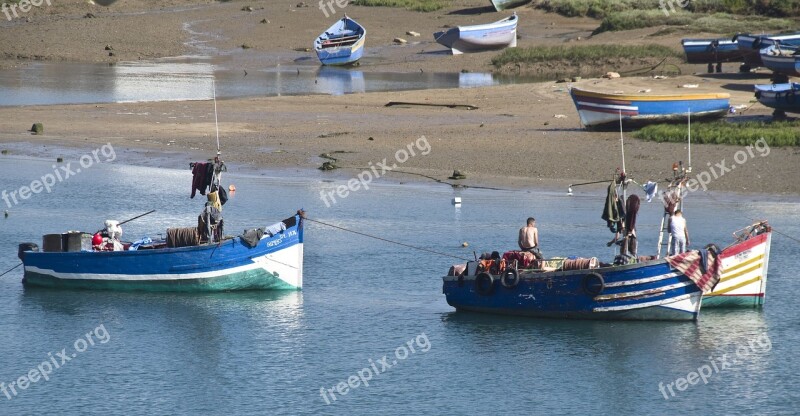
(529, 237)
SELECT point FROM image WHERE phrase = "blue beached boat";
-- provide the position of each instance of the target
(751, 45)
(711, 51)
(342, 43)
(782, 59)
(599, 110)
(498, 35)
(783, 97)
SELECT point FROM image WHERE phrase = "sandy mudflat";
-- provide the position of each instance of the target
(519, 136)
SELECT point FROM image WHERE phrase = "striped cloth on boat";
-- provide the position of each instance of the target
(690, 264)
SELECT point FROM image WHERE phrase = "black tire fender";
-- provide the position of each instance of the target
(484, 284)
(510, 278)
(593, 283)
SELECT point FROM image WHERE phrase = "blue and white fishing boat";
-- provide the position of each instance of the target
(498, 35)
(275, 262)
(783, 60)
(643, 291)
(711, 51)
(751, 45)
(782, 97)
(342, 43)
(599, 110)
(501, 5)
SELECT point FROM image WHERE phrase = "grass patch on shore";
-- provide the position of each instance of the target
(599, 9)
(581, 54)
(775, 133)
(715, 23)
(413, 5)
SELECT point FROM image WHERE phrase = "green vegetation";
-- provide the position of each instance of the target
(715, 23)
(775, 133)
(581, 53)
(414, 5)
(599, 9)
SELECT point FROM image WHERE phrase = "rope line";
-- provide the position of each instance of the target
(9, 270)
(388, 241)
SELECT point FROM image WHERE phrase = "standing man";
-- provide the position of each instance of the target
(529, 238)
(679, 232)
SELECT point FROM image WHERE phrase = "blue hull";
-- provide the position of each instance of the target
(784, 60)
(750, 45)
(342, 43)
(784, 97)
(274, 263)
(711, 51)
(645, 291)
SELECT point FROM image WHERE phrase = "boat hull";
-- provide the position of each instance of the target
(711, 51)
(644, 291)
(347, 53)
(744, 274)
(781, 63)
(750, 45)
(602, 111)
(782, 97)
(498, 35)
(501, 5)
(275, 263)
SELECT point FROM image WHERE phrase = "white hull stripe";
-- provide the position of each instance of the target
(643, 280)
(611, 106)
(649, 304)
(653, 291)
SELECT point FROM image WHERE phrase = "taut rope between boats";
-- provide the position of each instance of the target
(388, 241)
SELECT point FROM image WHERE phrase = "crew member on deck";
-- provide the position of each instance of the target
(529, 238)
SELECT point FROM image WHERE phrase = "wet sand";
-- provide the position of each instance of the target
(525, 135)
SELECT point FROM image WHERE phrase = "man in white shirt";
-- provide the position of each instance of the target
(679, 232)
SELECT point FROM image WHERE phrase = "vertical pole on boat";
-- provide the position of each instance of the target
(621, 141)
(216, 122)
(689, 116)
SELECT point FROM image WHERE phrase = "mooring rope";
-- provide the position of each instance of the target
(9, 270)
(386, 240)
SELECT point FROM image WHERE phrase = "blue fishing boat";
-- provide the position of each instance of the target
(751, 45)
(501, 5)
(711, 51)
(643, 291)
(342, 43)
(497, 35)
(783, 60)
(275, 262)
(599, 110)
(782, 97)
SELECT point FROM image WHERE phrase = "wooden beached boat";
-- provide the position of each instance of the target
(782, 97)
(744, 269)
(782, 59)
(751, 45)
(501, 5)
(711, 51)
(498, 35)
(599, 110)
(342, 43)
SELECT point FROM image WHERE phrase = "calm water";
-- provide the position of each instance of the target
(192, 78)
(270, 353)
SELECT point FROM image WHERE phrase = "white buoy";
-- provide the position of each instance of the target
(457, 200)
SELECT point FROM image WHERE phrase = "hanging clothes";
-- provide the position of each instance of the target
(650, 190)
(223, 196)
(631, 210)
(613, 212)
(200, 178)
(213, 200)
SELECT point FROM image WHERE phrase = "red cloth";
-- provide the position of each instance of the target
(524, 259)
(689, 263)
(199, 182)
